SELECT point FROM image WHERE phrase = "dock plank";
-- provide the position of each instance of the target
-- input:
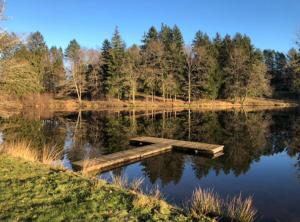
(110, 161)
(179, 144)
(152, 146)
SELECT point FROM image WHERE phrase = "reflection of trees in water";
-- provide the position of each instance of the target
(246, 136)
(37, 132)
(168, 167)
(244, 139)
(164, 124)
(205, 127)
(294, 144)
(99, 133)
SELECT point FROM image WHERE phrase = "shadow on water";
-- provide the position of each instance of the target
(261, 154)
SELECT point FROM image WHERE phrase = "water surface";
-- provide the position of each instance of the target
(261, 154)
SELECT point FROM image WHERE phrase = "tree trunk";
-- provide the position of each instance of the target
(74, 72)
(189, 122)
(163, 89)
(133, 94)
(189, 86)
(152, 95)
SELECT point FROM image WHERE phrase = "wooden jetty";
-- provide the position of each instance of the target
(151, 146)
(179, 144)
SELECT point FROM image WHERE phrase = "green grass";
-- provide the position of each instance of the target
(32, 191)
(35, 192)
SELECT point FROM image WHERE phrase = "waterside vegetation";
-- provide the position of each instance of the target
(46, 190)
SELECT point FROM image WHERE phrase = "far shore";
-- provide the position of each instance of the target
(41, 103)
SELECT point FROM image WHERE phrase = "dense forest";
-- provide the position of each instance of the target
(228, 67)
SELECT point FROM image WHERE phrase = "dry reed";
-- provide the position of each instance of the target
(241, 209)
(205, 202)
(86, 165)
(21, 149)
(155, 192)
(119, 180)
(136, 184)
(51, 155)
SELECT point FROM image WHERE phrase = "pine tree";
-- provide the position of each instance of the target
(114, 64)
(57, 70)
(293, 71)
(176, 65)
(152, 34)
(39, 57)
(206, 77)
(106, 57)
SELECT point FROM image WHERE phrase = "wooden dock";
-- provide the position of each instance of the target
(179, 144)
(151, 146)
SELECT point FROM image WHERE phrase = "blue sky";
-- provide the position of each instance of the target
(269, 23)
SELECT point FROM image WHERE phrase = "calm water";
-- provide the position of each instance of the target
(261, 159)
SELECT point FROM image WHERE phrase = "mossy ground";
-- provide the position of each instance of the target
(35, 192)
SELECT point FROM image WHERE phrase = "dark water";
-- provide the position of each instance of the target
(261, 154)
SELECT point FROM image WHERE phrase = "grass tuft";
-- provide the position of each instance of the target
(86, 165)
(136, 184)
(241, 209)
(156, 193)
(51, 156)
(21, 149)
(205, 202)
(119, 180)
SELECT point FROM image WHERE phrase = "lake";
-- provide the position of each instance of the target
(261, 151)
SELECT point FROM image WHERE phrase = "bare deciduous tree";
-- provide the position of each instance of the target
(132, 70)
(189, 57)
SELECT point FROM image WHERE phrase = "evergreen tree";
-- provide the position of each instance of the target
(57, 70)
(114, 64)
(152, 34)
(106, 58)
(293, 71)
(206, 77)
(39, 57)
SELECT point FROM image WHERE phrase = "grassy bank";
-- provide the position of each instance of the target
(73, 105)
(44, 105)
(32, 190)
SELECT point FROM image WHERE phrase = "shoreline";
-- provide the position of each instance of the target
(73, 105)
(58, 194)
(45, 106)
(34, 190)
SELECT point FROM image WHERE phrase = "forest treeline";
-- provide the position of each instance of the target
(228, 67)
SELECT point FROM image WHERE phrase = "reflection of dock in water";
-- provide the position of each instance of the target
(151, 146)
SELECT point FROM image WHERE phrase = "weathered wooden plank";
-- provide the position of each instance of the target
(156, 147)
(113, 160)
(179, 144)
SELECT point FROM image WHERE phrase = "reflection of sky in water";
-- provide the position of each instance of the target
(1, 137)
(261, 158)
(271, 181)
(67, 148)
